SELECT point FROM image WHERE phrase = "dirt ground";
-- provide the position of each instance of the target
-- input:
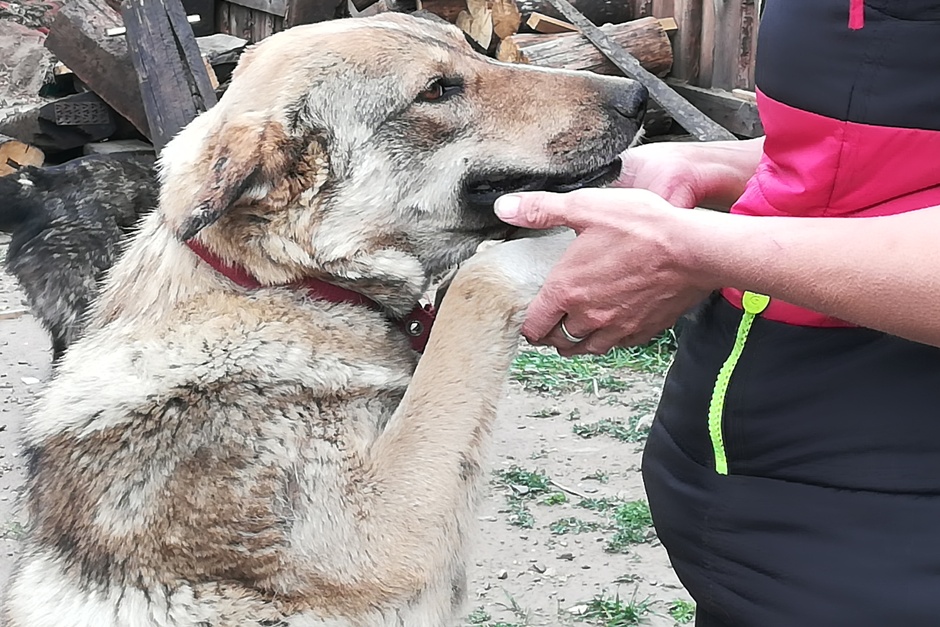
(520, 575)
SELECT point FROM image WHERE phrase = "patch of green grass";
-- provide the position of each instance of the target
(624, 432)
(598, 475)
(615, 612)
(547, 372)
(525, 482)
(519, 514)
(547, 412)
(683, 612)
(481, 617)
(555, 498)
(523, 485)
(572, 524)
(632, 524)
(602, 504)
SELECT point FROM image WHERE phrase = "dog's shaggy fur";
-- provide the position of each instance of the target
(213, 456)
(68, 224)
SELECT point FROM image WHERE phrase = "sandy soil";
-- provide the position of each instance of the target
(519, 576)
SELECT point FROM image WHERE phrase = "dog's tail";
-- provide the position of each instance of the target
(14, 209)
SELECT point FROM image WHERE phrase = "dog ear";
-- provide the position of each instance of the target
(246, 156)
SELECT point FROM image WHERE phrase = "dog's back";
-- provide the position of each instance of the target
(68, 224)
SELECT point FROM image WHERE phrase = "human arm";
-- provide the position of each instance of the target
(639, 263)
(692, 174)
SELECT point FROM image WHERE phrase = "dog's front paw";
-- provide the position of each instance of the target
(521, 265)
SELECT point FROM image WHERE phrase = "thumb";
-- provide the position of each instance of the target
(540, 210)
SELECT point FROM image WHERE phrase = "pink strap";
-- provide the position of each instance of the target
(856, 14)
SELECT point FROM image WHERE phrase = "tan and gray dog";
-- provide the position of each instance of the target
(217, 454)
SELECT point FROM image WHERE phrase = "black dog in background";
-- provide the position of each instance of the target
(68, 225)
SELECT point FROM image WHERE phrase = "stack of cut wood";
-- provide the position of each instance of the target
(68, 83)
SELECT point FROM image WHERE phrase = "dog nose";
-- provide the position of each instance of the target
(631, 103)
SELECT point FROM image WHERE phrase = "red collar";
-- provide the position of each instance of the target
(416, 324)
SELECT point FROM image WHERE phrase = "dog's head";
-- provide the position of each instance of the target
(369, 152)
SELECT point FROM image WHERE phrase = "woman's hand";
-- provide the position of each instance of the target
(687, 174)
(622, 281)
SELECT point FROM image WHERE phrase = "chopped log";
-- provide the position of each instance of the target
(598, 11)
(488, 22)
(174, 84)
(546, 24)
(62, 125)
(682, 111)
(77, 37)
(14, 154)
(645, 39)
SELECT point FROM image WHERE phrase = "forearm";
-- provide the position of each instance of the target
(882, 273)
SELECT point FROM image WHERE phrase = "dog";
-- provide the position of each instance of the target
(68, 224)
(244, 435)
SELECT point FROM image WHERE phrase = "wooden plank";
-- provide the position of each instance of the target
(669, 24)
(727, 43)
(174, 84)
(683, 112)
(750, 21)
(547, 24)
(706, 55)
(311, 11)
(737, 114)
(78, 38)
(687, 41)
(222, 18)
(240, 21)
(274, 7)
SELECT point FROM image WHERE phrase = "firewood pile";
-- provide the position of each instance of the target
(70, 75)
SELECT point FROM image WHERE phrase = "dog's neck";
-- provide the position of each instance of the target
(416, 324)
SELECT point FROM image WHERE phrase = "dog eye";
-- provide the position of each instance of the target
(440, 89)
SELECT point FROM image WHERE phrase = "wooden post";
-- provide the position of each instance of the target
(706, 53)
(687, 42)
(174, 83)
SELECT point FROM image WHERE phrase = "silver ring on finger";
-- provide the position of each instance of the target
(574, 339)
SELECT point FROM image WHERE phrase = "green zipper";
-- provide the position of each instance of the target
(754, 304)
